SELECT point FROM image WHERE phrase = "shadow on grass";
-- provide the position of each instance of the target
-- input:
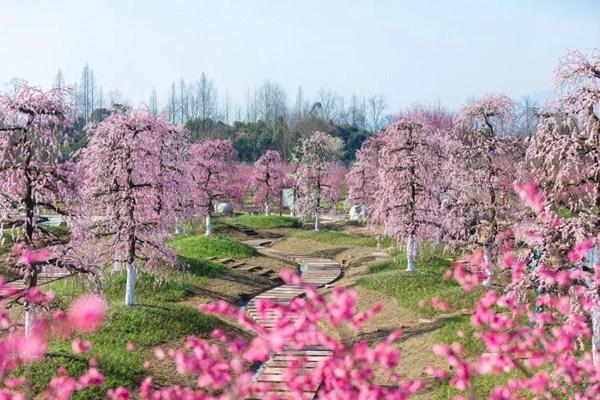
(329, 253)
(379, 335)
(200, 267)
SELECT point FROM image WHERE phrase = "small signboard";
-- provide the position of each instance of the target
(288, 197)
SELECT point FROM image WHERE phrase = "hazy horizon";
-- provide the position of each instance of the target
(406, 51)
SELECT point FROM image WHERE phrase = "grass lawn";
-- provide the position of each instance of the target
(146, 326)
(409, 288)
(388, 276)
(155, 320)
(337, 238)
(198, 226)
(200, 247)
(265, 222)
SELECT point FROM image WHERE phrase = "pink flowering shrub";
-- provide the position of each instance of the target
(268, 179)
(537, 332)
(18, 349)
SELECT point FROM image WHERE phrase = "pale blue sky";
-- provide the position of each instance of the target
(410, 51)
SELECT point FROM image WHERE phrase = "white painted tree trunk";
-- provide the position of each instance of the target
(117, 261)
(177, 230)
(209, 227)
(130, 285)
(591, 262)
(596, 335)
(489, 265)
(30, 317)
(317, 222)
(267, 209)
(411, 252)
(439, 236)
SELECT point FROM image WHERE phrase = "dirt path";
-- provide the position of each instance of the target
(419, 334)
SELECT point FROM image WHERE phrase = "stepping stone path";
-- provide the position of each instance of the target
(243, 266)
(315, 271)
(245, 229)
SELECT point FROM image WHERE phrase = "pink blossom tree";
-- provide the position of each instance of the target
(537, 342)
(268, 177)
(320, 152)
(129, 192)
(172, 188)
(363, 177)
(406, 199)
(32, 123)
(337, 180)
(240, 183)
(479, 126)
(211, 170)
(564, 154)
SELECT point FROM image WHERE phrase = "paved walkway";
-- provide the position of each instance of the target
(314, 271)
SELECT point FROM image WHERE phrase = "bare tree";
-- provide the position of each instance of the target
(86, 98)
(59, 80)
(183, 114)
(376, 108)
(527, 117)
(357, 113)
(101, 101)
(205, 99)
(153, 102)
(226, 109)
(172, 105)
(117, 98)
(331, 106)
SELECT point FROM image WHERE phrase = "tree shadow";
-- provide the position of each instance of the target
(329, 253)
(379, 335)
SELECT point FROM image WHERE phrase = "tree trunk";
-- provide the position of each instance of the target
(439, 236)
(411, 252)
(209, 227)
(30, 317)
(317, 222)
(596, 335)
(117, 261)
(130, 285)
(489, 264)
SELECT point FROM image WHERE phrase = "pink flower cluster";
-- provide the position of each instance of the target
(17, 348)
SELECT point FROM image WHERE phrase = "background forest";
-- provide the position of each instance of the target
(270, 118)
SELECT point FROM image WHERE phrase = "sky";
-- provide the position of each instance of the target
(412, 52)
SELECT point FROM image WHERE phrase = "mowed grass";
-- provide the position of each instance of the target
(409, 288)
(155, 320)
(336, 238)
(201, 247)
(144, 325)
(265, 222)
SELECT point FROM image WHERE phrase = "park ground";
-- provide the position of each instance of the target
(222, 267)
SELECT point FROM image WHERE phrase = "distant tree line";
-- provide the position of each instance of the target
(268, 118)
